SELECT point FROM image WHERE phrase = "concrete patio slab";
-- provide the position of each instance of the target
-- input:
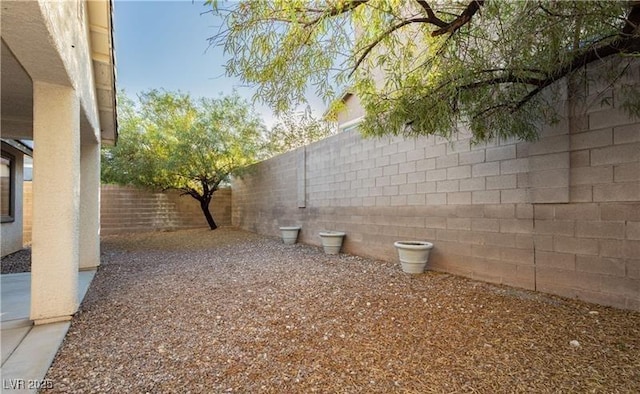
(11, 338)
(27, 366)
(27, 350)
(16, 300)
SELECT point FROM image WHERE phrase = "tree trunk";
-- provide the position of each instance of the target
(204, 205)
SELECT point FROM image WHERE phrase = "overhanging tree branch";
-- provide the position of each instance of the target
(461, 20)
(341, 8)
(381, 37)
(432, 16)
(432, 19)
(632, 22)
(509, 78)
(443, 69)
(625, 45)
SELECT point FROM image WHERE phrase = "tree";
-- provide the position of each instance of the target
(423, 67)
(171, 141)
(296, 129)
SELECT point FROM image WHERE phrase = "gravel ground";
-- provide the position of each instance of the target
(231, 311)
(17, 262)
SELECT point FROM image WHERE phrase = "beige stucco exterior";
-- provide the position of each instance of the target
(58, 89)
(12, 231)
(352, 112)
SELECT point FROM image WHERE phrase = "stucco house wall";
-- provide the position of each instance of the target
(11, 232)
(58, 89)
(352, 110)
(559, 215)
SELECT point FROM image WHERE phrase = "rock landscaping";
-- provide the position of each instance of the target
(232, 311)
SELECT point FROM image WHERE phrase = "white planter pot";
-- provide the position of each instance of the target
(332, 241)
(290, 234)
(413, 255)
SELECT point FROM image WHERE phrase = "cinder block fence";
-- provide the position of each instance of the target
(125, 209)
(559, 215)
(129, 209)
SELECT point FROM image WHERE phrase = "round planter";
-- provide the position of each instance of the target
(413, 255)
(290, 234)
(332, 241)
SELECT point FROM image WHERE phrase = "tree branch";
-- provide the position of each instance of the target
(509, 78)
(187, 191)
(491, 109)
(432, 16)
(335, 10)
(444, 27)
(378, 39)
(461, 20)
(632, 21)
(625, 45)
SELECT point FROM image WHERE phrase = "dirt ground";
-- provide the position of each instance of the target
(230, 311)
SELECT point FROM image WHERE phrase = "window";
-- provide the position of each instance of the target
(7, 187)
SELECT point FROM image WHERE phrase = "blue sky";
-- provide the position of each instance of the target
(163, 44)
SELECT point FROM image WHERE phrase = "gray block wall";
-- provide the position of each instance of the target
(559, 215)
(128, 209)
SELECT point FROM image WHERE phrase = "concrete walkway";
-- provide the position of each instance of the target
(28, 350)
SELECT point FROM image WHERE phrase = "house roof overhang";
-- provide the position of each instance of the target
(104, 66)
(35, 48)
(19, 145)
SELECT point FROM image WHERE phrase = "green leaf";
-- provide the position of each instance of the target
(168, 140)
(494, 73)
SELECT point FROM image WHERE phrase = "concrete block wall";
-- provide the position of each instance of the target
(557, 215)
(125, 209)
(267, 196)
(590, 248)
(129, 209)
(472, 201)
(590, 251)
